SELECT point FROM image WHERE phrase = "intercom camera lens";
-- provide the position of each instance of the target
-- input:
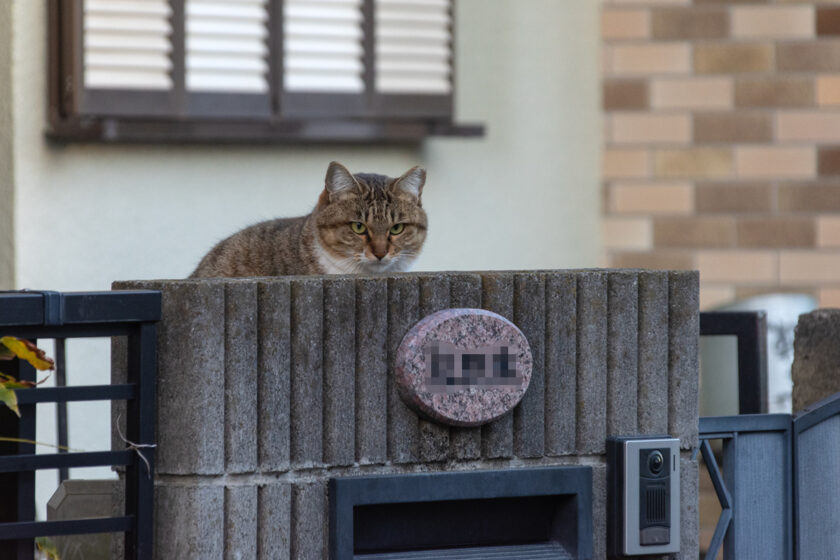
(656, 462)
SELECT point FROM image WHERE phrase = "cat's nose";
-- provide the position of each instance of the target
(378, 248)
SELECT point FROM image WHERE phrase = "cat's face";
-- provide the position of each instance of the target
(370, 223)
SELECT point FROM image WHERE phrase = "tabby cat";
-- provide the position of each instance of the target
(363, 223)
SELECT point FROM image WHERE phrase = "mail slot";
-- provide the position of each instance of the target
(516, 513)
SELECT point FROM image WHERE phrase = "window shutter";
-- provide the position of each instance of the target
(124, 64)
(237, 69)
(126, 44)
(226, 46)
(413, 57)
(174, 57)
(323, 58)
(226, 60)
(413, 47)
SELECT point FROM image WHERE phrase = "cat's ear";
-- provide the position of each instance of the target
(339, 179)
(412, 181)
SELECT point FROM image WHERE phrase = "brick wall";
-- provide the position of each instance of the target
(722, 132)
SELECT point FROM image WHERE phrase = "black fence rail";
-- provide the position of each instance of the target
(59, 316)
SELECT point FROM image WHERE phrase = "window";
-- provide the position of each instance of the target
(252, 70)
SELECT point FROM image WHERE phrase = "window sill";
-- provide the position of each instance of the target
(145, 131)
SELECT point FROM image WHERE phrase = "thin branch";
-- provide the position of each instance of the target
(136, 447)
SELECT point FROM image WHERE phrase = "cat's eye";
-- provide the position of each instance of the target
(397, 229)
(358, 227)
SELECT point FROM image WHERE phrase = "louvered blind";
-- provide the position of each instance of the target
(309, 69)
(227, 45)
(322, 49)
(127, 44)
(413, 46)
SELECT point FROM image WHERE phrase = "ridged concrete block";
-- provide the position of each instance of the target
(465, 292)
(339, 371)
(816, 357)
(274, 354)
(241, 368)
(372, 369)
(403, 424)
(529, 316)
(189, 522)
(434, 437)
(309, 521)
(497, 296)
(190, 387)
(683, 360)
(275, 521)
(653, 352)
(560, 363)
(622, 353)
(240, 523)
(689, 507)
(592, 362)
(307, 371)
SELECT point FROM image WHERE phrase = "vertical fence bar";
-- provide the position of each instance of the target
(61, 407)
(140, 426)
(17, 489)
(26, 479)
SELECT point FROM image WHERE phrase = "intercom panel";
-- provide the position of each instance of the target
(644, 495)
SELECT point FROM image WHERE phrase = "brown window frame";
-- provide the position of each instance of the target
(179, 116)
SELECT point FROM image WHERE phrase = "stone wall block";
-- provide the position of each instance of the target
(591, 397)
(816, 357)
(683, 361)
(689, 506)
(653, 352)
(339, 371)
(240, 522)
(241, 376)
(465, 292)
(274, 521)
(189, 522)
(372, 369)
(309, 521)
(403, 424)
(560, 363)
(274, 354)
(434, 437)
(497, 296)
(529, 316)
(622, 353)
(191, 370)
(307, 394)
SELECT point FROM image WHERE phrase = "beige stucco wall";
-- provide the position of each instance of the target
(524, 196)
(7, 247)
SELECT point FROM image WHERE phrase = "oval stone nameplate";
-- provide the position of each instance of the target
(463, 367)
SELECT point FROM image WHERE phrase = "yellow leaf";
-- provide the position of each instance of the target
(25, 350)
(10, 382)
(9, 398)
(47, 546)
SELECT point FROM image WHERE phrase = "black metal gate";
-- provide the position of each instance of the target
(53, 315)
(779, 487)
